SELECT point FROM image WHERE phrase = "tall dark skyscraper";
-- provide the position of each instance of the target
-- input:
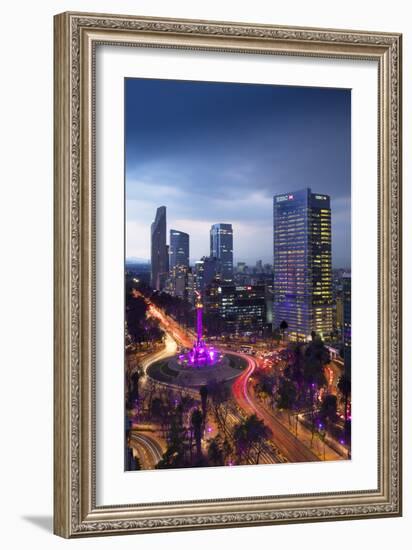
(302, 263)
(179, 249)
(159, 250)
(221, 247)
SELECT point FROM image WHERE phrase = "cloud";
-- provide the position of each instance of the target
(341, 231)
(137, 239)
(219, 152)
(250, 213)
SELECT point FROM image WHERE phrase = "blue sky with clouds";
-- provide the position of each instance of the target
(218, 152)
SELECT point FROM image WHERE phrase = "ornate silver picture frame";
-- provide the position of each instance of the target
(76, 37)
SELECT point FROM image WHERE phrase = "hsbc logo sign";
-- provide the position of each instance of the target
(282, 198)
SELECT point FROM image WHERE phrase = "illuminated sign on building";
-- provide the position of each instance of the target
(282, 198)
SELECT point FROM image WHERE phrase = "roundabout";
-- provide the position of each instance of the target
(199, 365)
(173, 372)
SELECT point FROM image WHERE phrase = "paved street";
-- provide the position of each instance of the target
(285, 446)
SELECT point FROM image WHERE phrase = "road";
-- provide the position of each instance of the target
(174, 332)
(168, 324)
(293, 449)
(148, 448)
(169, 350)
(287, 446)
(333, 371)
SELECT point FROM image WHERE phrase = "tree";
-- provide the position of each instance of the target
(215, 452)
(140, 327)
(250, 434)
(286, 395)
(171, 458)
(317, 350)
(179, 309)
(138, 465)
(228, 451)
(151, 390)
(156, 410)
(315, 359)
(283, 327)
(174, 456)
(187, 403)
(197, 421)
(344, 386)
(134, 384)
(219, 395)
(328, 410)
(276, 335)
(265, 386)
(203, 396)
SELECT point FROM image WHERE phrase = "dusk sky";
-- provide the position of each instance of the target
(218, 152)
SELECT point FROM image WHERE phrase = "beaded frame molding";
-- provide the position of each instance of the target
(76, 36)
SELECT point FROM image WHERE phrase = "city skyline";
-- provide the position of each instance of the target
(238, 333)
(178, 253)
(202, 186)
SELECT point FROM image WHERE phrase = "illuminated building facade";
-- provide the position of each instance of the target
(179, 263)
(190, 292)
(178, 281)
(221, 247)
(302, 264)
(206, 271)
(242, 308)
(212, 299)
(347, 322)
(339, 313)
(159, 250)
(178, 249)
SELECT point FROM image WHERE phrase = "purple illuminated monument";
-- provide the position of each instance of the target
(201, 354)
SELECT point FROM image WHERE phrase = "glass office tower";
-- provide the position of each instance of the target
(179, 263)
(243, 308)
(221, 248)
(159, 250)
(206, 271)
(178, 249)
(302, 264)
(347, 322)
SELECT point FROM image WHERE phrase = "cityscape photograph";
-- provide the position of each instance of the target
(237, 274)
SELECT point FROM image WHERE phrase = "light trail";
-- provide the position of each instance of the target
(284, 440)
(169, 350)
(167, 323)
(147, 447)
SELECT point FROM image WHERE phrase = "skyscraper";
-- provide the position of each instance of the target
(259, 266)
(179, 263)
(179, 249)
(221, 247)
(206, 272)
(302, 263)
(159, 250)
(242, 308)
(347, 322)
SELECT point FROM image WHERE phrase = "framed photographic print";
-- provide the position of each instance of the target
(227, 274)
